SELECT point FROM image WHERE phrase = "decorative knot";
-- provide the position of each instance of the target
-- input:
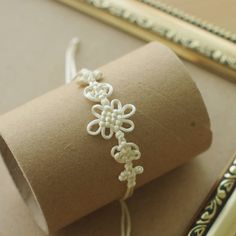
(86, 76)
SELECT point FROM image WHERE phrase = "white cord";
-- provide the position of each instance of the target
(70, 60)
(125, 219)
(111, 118)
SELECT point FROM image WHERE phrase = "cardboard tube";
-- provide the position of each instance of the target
(63, 173)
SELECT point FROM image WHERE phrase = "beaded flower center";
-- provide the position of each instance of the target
(111, 118)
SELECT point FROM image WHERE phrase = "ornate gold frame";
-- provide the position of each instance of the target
(192, 39)
(215, 202)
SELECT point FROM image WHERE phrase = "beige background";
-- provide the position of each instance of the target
(34, 35)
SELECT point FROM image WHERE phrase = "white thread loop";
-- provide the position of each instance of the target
(111, 118)
(70, 62)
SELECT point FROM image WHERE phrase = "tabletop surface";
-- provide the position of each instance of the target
(34, 35)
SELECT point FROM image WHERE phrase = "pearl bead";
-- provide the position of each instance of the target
(108, 119)
(116, 128)
(106, 108)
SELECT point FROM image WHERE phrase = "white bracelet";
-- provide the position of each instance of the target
(110, 118)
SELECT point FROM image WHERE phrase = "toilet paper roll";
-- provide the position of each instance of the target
(63, 173)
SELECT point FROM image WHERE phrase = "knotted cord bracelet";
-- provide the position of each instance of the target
(111, 119)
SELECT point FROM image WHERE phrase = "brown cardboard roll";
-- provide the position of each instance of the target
(63, 173)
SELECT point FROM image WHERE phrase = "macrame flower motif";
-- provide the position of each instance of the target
(125, 152)
(97, 91)
(111, 118)
(94, 91)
